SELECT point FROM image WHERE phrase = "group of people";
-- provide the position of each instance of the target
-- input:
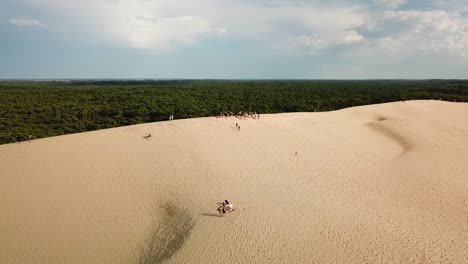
(225, 207)
(240, 114)
(171, 117)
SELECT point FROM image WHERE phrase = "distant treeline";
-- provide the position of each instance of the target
(45, 109)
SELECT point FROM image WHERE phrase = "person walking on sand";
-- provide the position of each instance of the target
(237, 125)
(238, 128)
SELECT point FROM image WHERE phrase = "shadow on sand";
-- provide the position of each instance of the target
(168, 236)
(208, 214)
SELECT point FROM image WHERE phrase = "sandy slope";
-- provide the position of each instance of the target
(374, 184)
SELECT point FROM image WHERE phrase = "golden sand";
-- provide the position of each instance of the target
(374, 184)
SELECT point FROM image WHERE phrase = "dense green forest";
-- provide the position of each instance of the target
(54, 108)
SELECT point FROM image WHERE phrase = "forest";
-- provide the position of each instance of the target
(51, 108)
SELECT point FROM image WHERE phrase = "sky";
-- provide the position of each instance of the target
(234, 39)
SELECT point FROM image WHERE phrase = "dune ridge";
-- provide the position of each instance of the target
(383, 183)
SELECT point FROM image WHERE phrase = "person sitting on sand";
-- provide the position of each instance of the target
(223, 211)
(225, 207)
(228, 206)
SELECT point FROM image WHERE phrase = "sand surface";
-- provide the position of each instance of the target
(374, 184)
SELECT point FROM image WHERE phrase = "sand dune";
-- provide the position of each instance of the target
(374, 184)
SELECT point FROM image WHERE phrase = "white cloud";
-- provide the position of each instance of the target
(308, 44)
(303, 26)
(351, 37)
(136, 23)
(314, 44)
(155, 25)
(392, 4)
(374, 36)
(163, 24)
(323, 27)
(452, 5)
(411, 44)
(24, 22)
(427, 31)
(158, 33)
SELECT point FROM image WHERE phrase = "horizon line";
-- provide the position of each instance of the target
(222, 79)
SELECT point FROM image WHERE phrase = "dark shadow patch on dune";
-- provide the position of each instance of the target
(168, 236)
(381, 118)
(210, 214)
(388, 132)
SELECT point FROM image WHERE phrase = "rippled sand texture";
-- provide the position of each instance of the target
(374, 184)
